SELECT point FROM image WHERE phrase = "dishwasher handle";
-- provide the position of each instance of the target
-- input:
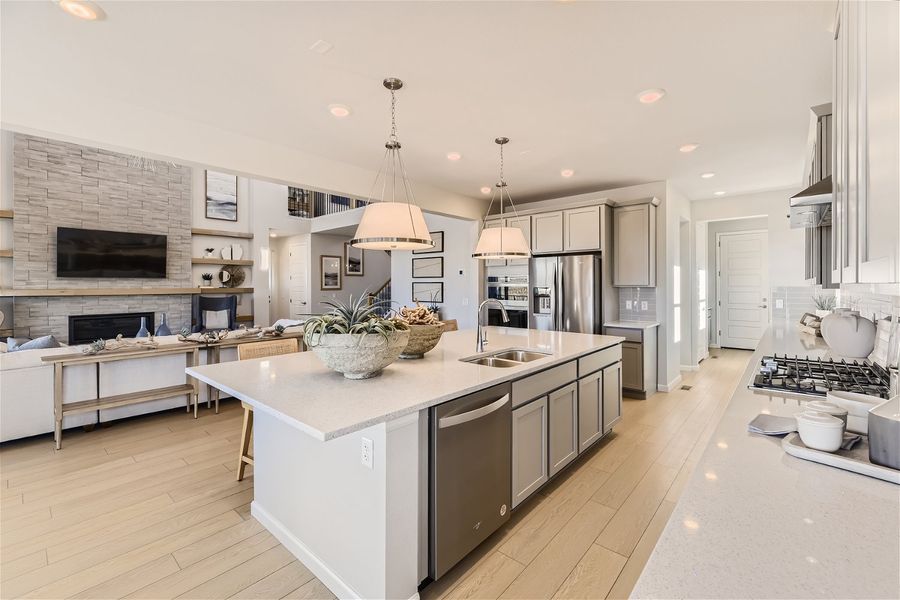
(471, 415)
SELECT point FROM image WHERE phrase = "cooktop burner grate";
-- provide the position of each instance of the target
(816, 377)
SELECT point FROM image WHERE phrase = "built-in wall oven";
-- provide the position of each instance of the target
(512, 292)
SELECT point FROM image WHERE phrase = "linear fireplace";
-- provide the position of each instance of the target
(84, 329)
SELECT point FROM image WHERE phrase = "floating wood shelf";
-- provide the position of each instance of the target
(222, 261)
(244, 318)
(226, 290)
(222, 233)
(6, 214)
(5, 253)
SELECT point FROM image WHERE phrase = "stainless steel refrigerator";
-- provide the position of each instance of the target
(565, 293)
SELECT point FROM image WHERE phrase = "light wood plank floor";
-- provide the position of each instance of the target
(148, 508)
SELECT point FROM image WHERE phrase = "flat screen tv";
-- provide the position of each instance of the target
(95, 253)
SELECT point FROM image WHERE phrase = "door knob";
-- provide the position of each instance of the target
(763, 306)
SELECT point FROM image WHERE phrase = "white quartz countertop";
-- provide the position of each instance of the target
(301, 391)
(754, 522)
(632, 324)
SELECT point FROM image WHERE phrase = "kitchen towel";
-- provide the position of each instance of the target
(772, 425)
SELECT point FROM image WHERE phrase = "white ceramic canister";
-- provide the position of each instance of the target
(829, 408)
(848, 334)
(820, 431)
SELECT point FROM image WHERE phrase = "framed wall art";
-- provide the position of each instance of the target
(354, 265)
(430, 291)
(431, 267)
(221, 196)
(438, 237)
(331, 272)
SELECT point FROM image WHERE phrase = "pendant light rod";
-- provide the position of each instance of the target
(501, 242)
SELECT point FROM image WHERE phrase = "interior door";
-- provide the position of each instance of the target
(743, 277)
(298, 282)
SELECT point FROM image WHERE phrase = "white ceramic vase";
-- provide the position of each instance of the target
(848, 334)
(359, 356)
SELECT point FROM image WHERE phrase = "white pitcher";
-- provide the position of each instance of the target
(848, 334)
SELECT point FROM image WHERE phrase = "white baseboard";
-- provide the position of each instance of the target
(303, 554)
(662, 387)
(690, 367)
(714, 346)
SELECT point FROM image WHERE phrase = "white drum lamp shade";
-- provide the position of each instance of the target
(501, 242)
(392, 226)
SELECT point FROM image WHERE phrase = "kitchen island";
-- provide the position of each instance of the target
(341, 468)
(754, 522)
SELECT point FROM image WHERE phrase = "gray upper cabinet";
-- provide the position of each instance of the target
(581, 229)
(563, 409)
(866, 151)
(612, 395)
(523, 223)
(634, 246)
(590, 410)
(547, 232)
(494, 262)
(529, 440)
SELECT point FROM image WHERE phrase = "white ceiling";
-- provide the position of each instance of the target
(558, 78)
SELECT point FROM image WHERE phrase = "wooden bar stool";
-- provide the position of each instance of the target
(257, 350)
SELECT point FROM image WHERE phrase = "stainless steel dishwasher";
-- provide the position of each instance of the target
(470, 474)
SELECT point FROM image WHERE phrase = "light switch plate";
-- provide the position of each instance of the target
(628, 305)
(779, 302)
(643, 305)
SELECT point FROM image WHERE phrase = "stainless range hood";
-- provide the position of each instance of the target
(812, 206)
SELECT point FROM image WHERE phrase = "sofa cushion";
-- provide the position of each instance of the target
(215, 319)
(41, 343)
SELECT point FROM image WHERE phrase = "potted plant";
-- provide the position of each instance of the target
(352, 339)
(207, 279)
(824, 304)
(425, 330)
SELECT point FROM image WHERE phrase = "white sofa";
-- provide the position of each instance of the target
(26, 387)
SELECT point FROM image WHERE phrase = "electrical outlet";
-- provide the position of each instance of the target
(465, 302)
(366, 451)
(643, 305)
(628, 305)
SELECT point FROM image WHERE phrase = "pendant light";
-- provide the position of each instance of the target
(501, 242)
(392, 224)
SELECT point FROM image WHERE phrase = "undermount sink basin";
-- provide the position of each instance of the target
(505, 358)
(490, 361)
(520, 355)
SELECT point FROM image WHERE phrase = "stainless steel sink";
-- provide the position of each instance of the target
(522, 356)
(509, 357)
(491, 361)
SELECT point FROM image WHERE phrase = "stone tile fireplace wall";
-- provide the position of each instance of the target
(63, 184)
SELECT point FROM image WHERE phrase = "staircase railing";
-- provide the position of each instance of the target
(382, 297)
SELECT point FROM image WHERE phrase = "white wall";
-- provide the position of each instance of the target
(376, 266)
(461, 271)
(674, 208)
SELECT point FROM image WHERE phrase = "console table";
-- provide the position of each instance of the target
(190, 389)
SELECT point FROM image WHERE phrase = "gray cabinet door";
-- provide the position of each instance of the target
(547, 232)
(529, 440)
(612, 395)
(632, 366)
(494, 262)
(634, 246)
(524, 224)
(563, 408)
(590, 409)
(582, 229)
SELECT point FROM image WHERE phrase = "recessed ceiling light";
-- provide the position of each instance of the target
(339, 110)
(709, 175)
(454, 156)
(83, 9)
(321, 47)
(720, 193)
(651, 96)
(567, 172)
(688, 148)
(486, 190)
(273, 235)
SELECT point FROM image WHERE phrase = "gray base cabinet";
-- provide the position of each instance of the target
(638, 360)
(563, 415)
(529, 441)
(612, 396)
(590, 409)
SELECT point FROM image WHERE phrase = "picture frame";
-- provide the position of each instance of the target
(431, 292)
(354, 261)
(438, 238)
(221, 196)
(431, 267)
(330, 275)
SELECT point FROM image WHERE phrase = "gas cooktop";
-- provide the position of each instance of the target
(815, 377)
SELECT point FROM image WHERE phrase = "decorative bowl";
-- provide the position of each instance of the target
(422, 338)
(359, 356)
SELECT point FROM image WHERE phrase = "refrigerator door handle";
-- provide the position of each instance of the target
(560, 298)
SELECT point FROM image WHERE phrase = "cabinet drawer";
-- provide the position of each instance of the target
(527, 388)
(598, 360)
(632, 335)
